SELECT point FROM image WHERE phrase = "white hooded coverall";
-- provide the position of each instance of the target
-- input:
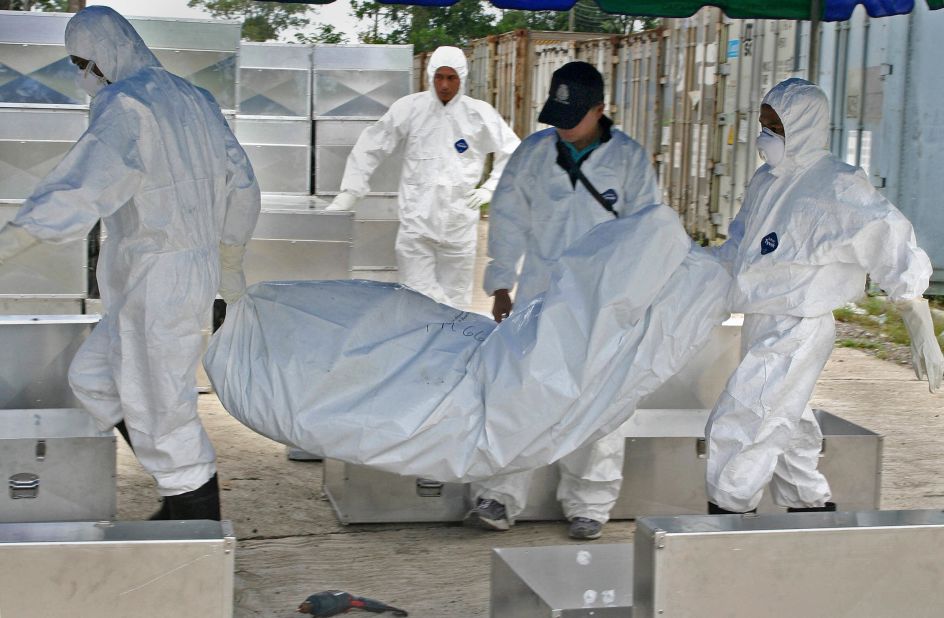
(444, 156)
(161, 168)
(810, 229)
(537, 213)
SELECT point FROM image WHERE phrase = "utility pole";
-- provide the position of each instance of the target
(571, 18)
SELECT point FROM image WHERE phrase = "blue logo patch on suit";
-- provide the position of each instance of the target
(769, 243)
(461, 146)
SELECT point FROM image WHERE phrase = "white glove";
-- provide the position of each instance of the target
(476, 197)
(232, 278)
(13, 241)
(344, 201)
(926, 357)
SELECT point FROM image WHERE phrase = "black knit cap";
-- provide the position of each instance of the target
(575, 88)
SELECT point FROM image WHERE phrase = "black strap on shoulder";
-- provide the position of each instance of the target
(573, 170)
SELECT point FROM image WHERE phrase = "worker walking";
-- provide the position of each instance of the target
(559, 184)
(178, 198)
(809, 230)
(447, 137)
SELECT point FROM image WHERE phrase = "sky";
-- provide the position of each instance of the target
(336, 13)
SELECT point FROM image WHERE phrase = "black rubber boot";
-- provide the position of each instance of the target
(162, 513)
(201, 503)
(829, 507)
(714, 509)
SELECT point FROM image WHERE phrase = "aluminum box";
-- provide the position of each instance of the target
(57, 466)
(334, 140)
(32, 142)
(359, 81)
(53, 271)
(362, 495)
(665, 464)
(36, 376)
(565, 581)
(878, 563)
(275, 80)
(158, 569)
(279, 150)
(663, 474)
(299, 245)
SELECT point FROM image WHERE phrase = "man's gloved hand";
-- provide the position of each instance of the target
(232, 278)
(502, 305)
(13, 241)
(926, 357)
(476, 197)
(344, 201)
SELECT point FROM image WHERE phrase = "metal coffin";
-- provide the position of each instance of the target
(57, 466)
(38, 376)
(299, 245)
(359, 81)
(279, 150)
(52, 271)
(274, 80)
(34, 65)
(880, 563)
(334, 140)
(564, 581)
(201, 51)
(362, 495)
(32, 142)
(161, 569)
(665, 463)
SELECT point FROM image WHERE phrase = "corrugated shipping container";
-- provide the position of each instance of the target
(690, 92)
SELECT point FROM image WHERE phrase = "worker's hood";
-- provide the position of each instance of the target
(804, 110)
(100, 34)
(451, 57)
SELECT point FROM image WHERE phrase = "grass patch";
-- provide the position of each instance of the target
(859, 344)
(880, 317)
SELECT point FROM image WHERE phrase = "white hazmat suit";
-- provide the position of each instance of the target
(178, 199)
(537, 213)
(810, 229)
(445, 150)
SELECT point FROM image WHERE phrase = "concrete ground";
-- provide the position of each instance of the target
(291, 545)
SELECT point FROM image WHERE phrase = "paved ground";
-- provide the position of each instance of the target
(291, 545)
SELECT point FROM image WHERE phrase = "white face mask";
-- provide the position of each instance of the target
(771, 147)
(88, 81)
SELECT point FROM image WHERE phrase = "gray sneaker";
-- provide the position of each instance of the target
(585, 529)
(488, 514)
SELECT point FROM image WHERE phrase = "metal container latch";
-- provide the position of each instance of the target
(701, 450)
(428, 488)
(40, 450)
(24, 485)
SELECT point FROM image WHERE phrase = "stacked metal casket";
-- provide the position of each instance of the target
(353, 85)
(58, 467)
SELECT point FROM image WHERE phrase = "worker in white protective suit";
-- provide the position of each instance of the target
(178, 198)
(447, 136)
(810, 229)
(560, 183)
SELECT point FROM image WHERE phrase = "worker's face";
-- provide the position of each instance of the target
(586, 130)
(446, 82)
(770, 120)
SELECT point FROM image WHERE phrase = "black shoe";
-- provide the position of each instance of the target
(829, 507)
(714, 509)
(201, 503)
(162, 513)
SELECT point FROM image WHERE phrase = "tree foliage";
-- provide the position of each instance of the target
(262, 21)
(429, 27)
